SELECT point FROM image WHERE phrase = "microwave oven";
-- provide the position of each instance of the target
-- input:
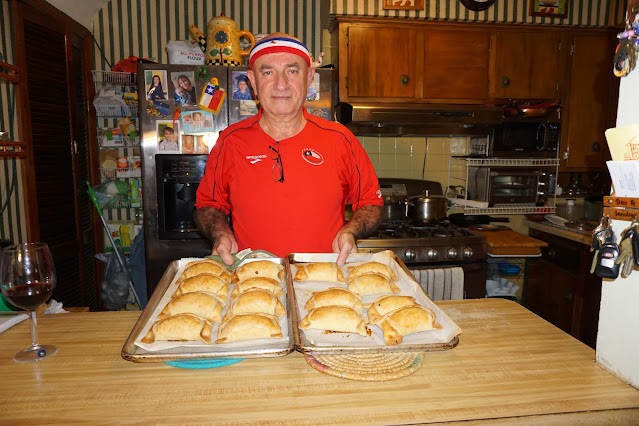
(500, 186)
(522, 138)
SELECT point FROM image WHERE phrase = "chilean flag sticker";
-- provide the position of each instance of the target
(312, 157)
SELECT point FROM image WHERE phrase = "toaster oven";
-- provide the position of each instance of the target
(508, 185)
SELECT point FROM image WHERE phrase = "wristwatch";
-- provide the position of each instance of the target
(477, 5)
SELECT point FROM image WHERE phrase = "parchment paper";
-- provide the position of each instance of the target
(304, 290)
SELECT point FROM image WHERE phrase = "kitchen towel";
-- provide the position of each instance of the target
(441, 283)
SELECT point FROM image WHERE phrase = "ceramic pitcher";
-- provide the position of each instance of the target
(223, 42)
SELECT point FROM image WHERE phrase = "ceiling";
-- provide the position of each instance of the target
(82, 11)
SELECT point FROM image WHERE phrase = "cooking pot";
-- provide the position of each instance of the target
(427, 208)
(394, 210)
(461, 219)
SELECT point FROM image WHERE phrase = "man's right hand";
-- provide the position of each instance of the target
(225, 245)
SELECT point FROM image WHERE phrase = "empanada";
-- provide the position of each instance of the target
(371, 268)
(335, 318)
(248, 326)
(320, 271)
(181, 327)
(256, 301)
(368, 284)
(334, 296)
(407, 320)
(258, 282)
(385, 304)
(202, 304)
(205, 266)
(204, 282)
(258, 268)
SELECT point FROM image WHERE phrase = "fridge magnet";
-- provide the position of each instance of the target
(212, 97)
(195, 122)
(314, 89)
(188, 144)
(241, 86)
(403, 5)
(183, 89)
(168, 136)
(549, 8)
(156, 84)
(248, 108)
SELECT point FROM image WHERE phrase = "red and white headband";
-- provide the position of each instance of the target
(276, 45)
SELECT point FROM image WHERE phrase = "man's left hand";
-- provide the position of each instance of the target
(344, 244)
(365, 220)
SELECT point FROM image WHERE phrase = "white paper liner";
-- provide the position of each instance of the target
(254, 344)
(304, 290)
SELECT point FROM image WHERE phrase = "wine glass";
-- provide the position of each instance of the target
(27, 277)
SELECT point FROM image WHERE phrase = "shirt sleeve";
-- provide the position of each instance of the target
(364, 187)
(213, 188)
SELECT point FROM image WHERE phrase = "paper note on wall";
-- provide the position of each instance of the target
(625, 178)
(623, 143)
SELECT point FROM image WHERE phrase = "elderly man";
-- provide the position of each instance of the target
(284, 175)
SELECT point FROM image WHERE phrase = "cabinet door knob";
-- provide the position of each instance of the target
(504, 82)
(596, 146)
(404, 80)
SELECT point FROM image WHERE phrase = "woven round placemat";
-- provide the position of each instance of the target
(368, 367)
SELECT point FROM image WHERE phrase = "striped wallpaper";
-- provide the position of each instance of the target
(142, 28)
(12, 214)
(595, 13)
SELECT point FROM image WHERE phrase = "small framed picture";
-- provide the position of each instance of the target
(168, 136)
(183, 89)
(549, 8)
(204, 143)
(403, 5)
(156, 84)
(188, 144)
(197, 122)
(241, 87)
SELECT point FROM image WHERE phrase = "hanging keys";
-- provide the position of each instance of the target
(607, 266)
(626, 258)
(600, 234)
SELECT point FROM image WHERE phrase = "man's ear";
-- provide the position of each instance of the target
(311, 74)
(251, 76)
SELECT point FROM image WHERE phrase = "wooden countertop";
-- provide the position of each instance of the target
(510, 366)
(561, 232)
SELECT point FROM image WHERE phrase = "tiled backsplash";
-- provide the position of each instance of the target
(418, 157)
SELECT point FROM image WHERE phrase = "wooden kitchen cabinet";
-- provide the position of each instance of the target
(589, 106)
(527, 63)
(562, 290)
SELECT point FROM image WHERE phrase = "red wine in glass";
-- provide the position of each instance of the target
(27, 279)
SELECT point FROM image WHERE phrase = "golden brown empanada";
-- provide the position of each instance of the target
(320, 271)
(334, 296)
(181, 327)
(202, 304)
(368, 284)
(256, 301)
(385, 304)
(248, 326)
(371, 268)
(258, 268)
(205, 266)
(258, 282)
(335, 318)
(204, 282)
(407, 320)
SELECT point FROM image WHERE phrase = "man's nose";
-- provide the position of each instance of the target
(280, 81)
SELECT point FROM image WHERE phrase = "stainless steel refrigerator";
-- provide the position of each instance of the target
(179, 124)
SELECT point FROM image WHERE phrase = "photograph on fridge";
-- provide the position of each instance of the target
(168, 136)
(188, 144)
(204, 143)
(197, 122)
(183, 89)
(241, 87)
(156, 84)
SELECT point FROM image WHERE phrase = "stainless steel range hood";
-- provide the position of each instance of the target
(393, 119)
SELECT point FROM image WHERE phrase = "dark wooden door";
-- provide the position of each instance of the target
(56, 104)
(381, 62)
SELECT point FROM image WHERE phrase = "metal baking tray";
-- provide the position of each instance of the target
(303, 345)
(132, 352)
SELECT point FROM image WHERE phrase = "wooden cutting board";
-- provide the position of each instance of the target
(509, 242)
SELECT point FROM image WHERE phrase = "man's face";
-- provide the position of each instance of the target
(280, 81)
(242, 86)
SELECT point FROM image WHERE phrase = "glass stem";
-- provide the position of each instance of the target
(34, 330)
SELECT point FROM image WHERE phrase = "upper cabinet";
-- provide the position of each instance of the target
(527, 64)
(412, 62)
(589, 104)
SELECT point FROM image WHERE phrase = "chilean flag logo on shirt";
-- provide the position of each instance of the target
(312, 157)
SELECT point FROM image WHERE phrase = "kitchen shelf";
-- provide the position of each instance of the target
(126, 143)
(509, 162)
(121, 172)
(103, 78)
(116, 111)
(13, 149)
